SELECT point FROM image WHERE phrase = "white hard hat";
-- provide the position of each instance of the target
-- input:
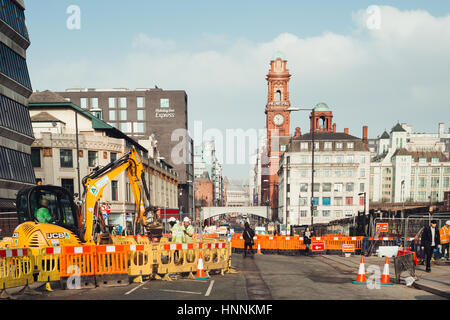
(447, 222)
(186, 219)
(172, 219)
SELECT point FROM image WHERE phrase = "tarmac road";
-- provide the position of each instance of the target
(264, 277)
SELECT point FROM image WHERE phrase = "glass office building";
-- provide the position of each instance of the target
(16, 134)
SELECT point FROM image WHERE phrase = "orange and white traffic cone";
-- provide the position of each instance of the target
(385, 276)
(361, 278)
(200, 271)
(259, 248)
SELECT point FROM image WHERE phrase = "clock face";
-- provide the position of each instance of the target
(278, 119)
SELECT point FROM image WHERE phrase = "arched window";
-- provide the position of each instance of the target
(278, 95)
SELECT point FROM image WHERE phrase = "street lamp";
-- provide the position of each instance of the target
(312, 162)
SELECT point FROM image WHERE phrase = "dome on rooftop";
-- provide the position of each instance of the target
(278, 54)
(322, 106)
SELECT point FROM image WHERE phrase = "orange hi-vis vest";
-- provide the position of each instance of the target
(444, 233)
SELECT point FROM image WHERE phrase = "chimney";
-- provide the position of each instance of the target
(334, 127)
(364, 137)
(346, 130)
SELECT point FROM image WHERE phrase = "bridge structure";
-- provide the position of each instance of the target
(209, 212)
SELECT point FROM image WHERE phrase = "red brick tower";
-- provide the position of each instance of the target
(277, 124)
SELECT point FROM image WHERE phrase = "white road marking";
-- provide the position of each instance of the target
(209, 288)
(195, 280)
(135, 288)
(181, 291)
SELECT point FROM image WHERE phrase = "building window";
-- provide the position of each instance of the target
(326, 187)
(338, 145)
(422, 160)
(361, 201)
(349, 145)
(326, 201)
(338, 213)
(113, 156)
(112, 115)
(422, 195)
(316, 187)
(338, 201)
(316, 201)
(327, 145)
(361, 187)
(68, 185)
(140, 102)
(65, 158)
(92, 158)
(84, 103)
(139, 127)
(114, 190)
(303, 201)
(112, 103)
(434, 160)
(303, 187)
(339, 159)
(36, 157)
(164, 103)
(362, 159)
(338, 187)
(303, 213)
(125, 127)
(349, 159)
(98, 114)
(123, 115)
(350, 173)
(304, 146)
(446, 182)
(349, 201)
(94, 103)
(326, 213)
(122, 102)
(362, 173)
(141, 115)
(435, 170)
(434, 182)
(327, 173)
(349, 187)
(315, 213)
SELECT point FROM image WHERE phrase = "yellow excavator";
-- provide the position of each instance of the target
(67, 223)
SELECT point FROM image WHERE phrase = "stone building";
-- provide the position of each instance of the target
(341, 174)
(61, 128)
(409, 167)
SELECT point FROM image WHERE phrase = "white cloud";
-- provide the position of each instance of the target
(368, 77)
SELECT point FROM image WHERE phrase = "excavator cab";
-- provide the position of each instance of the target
(47, 216)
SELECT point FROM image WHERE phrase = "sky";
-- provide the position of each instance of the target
(372, 63)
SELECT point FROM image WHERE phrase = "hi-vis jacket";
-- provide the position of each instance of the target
(444, 233)
(188, 233)
(178, 233)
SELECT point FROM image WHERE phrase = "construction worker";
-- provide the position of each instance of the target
(42, 214)
(188, 230)
(177, 232)
(444, 233)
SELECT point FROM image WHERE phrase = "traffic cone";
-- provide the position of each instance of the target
(361, 278)
(385, 276)
(259, 249)
(200, 271)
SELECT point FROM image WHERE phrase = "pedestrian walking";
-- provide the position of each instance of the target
(248, 239)
(430, 241)
(307, 239)
(444, 234)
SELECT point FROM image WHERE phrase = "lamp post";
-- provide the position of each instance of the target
(312, 162)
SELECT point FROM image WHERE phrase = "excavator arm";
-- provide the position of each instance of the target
(95, 183)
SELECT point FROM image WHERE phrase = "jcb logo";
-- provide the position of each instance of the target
(56, 235)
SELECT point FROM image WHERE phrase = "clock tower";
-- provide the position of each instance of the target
(277, 124)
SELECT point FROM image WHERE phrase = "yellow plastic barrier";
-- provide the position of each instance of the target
(16, 268)
(48, 263)
(140, 260)
(111, 267)
(123, 240)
